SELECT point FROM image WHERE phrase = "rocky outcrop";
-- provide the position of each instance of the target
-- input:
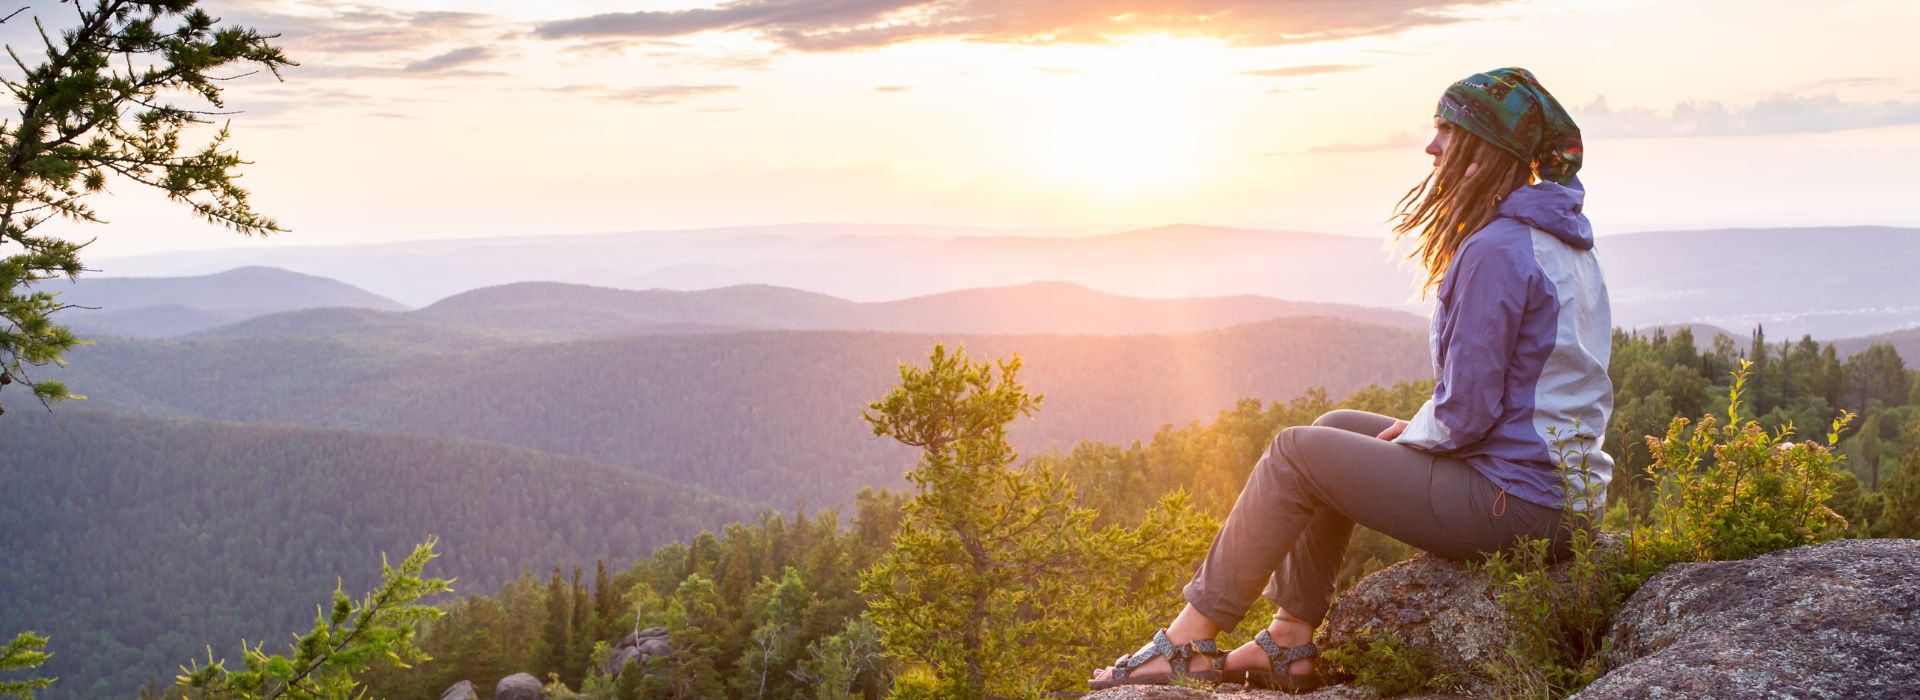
(637, 648)
(1837, 620)
(1234, 692)
(1439, 607)
(519, 686)
(460, 691)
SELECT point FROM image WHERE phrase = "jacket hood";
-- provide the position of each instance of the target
(1554, 208)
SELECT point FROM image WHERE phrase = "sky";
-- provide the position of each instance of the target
(410, 119)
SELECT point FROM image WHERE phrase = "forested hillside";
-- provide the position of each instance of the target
(737, 577)
(171, 306)
(765, 416)
(136, 541)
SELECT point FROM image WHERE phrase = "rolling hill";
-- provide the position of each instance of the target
(552, 311)
(134, 541)
(1831, 282)
(1906, 342)
(767, 416)
(171, 306)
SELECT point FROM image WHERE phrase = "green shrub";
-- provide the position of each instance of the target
(1385, 664)
(1735, 491)
(1559, 613)
(1720, 492)
(1558, 608)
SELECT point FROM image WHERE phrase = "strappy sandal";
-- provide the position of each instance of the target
(1178, 657)
(1276, 676)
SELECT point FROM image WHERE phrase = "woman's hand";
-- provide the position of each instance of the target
(1394, 431)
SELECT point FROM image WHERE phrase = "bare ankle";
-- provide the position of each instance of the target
(1190, 625)
(1289, 628)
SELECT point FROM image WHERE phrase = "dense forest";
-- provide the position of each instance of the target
(315, 503)
(136, 541)
(763, 416)
(736, 579)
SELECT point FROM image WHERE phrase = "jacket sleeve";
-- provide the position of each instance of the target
(1473, 345)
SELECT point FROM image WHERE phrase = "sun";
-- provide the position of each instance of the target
(1132, 127)
(1119, 141)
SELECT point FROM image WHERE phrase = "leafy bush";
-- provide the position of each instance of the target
(1720, 492)
(1735, 491)
(1384, 663)
(1558, 607)
(1559, 613)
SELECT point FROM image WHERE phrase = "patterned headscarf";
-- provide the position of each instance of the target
(1508, 108)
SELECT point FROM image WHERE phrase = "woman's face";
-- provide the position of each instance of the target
(1438, 146)
(1443, 132)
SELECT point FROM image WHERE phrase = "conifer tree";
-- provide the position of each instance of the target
(23, 653)
(606, 603)
(97, 107)
(347, 638)
(580, 637)
(990, 563)
(558, 631)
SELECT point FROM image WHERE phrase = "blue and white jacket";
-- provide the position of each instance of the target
(1521, 338)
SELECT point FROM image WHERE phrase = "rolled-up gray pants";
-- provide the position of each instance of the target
(1289, 528)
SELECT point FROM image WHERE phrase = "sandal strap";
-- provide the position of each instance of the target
(1211, 650)
(1162, 646)
(1282, 657)
(1177, 655)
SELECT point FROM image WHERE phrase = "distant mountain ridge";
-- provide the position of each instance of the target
(170, 306)
(1831, 282)
(554, 311)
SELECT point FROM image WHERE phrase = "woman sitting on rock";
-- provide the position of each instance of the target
(1521, 336)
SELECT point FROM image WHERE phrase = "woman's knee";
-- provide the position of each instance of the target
(1353, 421)
(1343, 419)
(1283, 454)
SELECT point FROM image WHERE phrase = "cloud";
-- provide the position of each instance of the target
(450, 59)
(1779, 114)
(645, 94)
(331, 27)
(893, 88)
(1301, 70)
(832, 25)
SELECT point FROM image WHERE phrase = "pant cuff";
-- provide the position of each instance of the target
(1210, 607)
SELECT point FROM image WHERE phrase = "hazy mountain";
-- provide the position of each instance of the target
(771, 416)
(419, 272)
(549, 311)
(137, 541)
(169, 306)
(1831, 282)
(1906, 342)
(1827, 282)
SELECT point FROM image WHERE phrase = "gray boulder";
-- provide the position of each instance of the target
(1437, 606)
(1235, 692)
(460, 691)
(656, 646)
(633, 640)
(620, 658)
(519, 686)
(1837, 620)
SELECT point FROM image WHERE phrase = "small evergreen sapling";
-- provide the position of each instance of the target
(345, 640)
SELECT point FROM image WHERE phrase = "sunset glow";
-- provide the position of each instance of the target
(414, 119)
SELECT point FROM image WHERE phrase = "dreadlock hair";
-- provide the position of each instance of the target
(1450, 204)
